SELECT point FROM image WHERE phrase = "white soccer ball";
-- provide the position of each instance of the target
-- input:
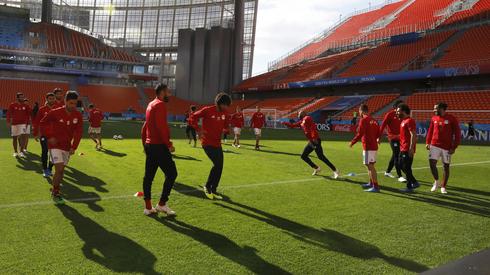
(120, 137)
(115, 137)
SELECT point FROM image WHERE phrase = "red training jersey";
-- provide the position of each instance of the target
(406, 127)
(155, 129)
(392, 122)
(19, 113)
(308, 126)
(237, 120)
(369, 132)
(95, 118)
(444, 132)
(43, 111)
(258, 120)
(214, 122)
(66, 127)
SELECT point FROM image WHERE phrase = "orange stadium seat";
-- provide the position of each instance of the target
(176, 106)
(316, 105)
(465, 105)
(33, 90)
(375, 103)
(284, 104)
(387, 58)
(114, 99)
(480, 9)
(472, 48)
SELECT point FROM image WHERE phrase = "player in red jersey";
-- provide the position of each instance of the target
(314, 143)
(60, 101)
(443, 137)
(237, 122)
(392, 123)
(63, 128)
(408, 145)
(189, 130)
(257, 123)
(214, 120)
(18, 120)
(41, 137)
(95, 118)
(155, 135)
(369, 132)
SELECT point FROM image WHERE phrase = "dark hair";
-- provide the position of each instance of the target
(19, 94)
(57, 90)
(91, 105)
(49, 95)
(397, 103)
(364, 108)
(160, 87)
(193, 108)
(442, 105)
(70, 95)
(404, 108)
(222, 99)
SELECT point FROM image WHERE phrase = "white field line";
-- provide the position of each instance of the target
(89, 199)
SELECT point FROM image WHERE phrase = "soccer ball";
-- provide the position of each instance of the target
(120, 137)
(115, 137)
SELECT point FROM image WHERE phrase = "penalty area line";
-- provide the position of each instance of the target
(120, 197)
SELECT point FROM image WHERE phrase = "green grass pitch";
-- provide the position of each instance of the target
(276, 218)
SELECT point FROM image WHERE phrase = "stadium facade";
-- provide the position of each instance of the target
(149, 28)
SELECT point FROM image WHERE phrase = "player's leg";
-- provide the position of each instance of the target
(391, 164)
(194, 136)
(258, 133)
(216, 156)
(370, 162)
(446, 164)
(305, 157)
(15, 143)
(319, 152)
(374, 174)
(435, 154)
(151, 166)
(396, 152)
(59, 170)
(167, 165)
(99, 139)
(44, 156)
(22, 142)
(188, 133)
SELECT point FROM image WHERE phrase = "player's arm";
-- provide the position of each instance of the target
(47, 120)
(143, 133)
(35, 124)
(413, 139)
(194, 119)
(386, 121)
(361, 131)
(29, 115)
(252, 121)
(430, 133)
(292, 125)
(163, 129)
(77, 135)
(457, 135)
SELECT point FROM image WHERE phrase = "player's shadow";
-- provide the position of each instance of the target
(454, 202)
(277, 152)
(182, 157)
(78, 177)
(245, 256)
(246, 144)
(32, 162)
(113, 153)
(109, 249)
(325, 238)
(467, 191)
(76, 195)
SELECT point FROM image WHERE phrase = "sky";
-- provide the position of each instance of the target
(282, 25)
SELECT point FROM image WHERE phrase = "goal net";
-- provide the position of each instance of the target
(272, 117)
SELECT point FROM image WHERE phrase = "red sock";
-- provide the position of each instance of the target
(375, 185)
(162, 203)
(148, 204)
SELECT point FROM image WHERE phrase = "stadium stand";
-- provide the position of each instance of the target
(320, 68)
(315, 105)
(375, 104)
(464, 105)
(113, 99)
(391, 58)
(349, 29)
(33, 90)
(244, 104)
(263, 80)
(11, 32)
(284, 104)
(472, 48)
(22, 35)
(480, 9)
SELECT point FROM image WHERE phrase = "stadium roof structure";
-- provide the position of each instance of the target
(148, 27)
